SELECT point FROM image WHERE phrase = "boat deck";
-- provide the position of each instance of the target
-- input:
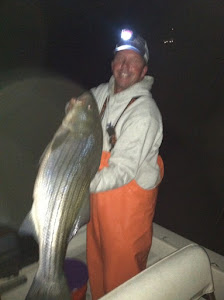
(164, 243)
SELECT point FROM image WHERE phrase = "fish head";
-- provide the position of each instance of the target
(84, 114)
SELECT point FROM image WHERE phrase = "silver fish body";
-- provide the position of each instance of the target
(61, 194)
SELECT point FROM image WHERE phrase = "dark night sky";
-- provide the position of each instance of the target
(76, 40)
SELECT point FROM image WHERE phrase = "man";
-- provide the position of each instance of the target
(124, 190)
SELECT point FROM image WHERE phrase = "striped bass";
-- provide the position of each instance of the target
(61, 194)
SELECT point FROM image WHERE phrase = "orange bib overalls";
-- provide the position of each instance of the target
(119, 234)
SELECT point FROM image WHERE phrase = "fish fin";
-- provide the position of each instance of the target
(82, 218)
(42, 289)
(28, 228)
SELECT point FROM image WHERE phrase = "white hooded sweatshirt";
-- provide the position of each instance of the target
(139, 134)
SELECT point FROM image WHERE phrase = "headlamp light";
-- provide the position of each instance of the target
(126, 34)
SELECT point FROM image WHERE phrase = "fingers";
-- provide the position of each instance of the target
(70, 104)
(72, 101)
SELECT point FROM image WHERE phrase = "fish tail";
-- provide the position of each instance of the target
(42, 289)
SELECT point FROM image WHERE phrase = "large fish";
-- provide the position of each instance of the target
(61, 194)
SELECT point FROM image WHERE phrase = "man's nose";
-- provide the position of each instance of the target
(124, 64)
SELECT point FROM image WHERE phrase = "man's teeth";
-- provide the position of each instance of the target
(124, 74)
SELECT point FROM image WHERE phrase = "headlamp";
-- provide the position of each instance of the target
(131, 41)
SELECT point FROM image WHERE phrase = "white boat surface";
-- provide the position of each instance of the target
(165, 244)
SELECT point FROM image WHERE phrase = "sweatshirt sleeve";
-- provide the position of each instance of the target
(134, 144)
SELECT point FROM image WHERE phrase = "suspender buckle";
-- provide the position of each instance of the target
(112, 135)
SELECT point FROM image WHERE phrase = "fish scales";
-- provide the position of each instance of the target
(60, 195)
(54, 211)
(72, 193)
(53, 177)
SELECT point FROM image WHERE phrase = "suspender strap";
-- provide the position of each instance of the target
(104, 107)
(132, 101)
(110, 128)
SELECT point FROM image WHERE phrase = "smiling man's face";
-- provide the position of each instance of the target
(128, 67)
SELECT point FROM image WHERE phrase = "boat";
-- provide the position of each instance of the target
(167, 251)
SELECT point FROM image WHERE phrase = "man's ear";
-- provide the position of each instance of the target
(144, 71)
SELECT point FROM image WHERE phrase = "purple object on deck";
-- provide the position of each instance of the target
(76, 273)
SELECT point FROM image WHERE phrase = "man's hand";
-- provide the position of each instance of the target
(70, 104)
